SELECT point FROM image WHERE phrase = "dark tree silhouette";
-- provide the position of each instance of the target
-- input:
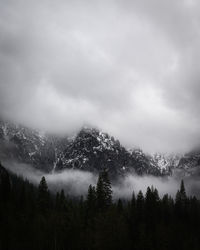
(43, 196)
(5, 185)
(34, 218)
(103, 191)
(91, 198)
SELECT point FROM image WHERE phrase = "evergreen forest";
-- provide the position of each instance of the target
(33, 218)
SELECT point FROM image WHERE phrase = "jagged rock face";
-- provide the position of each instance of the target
(26, 145)
(179, 165)
(93, 150)
(189, 164)
(90, 150)
(166, 163)
(144, 164)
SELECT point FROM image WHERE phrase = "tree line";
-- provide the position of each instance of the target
(34, 218)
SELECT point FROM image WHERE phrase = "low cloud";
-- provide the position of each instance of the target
(127, 185)
(76, 182)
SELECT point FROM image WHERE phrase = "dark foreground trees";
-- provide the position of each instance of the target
(33, 218)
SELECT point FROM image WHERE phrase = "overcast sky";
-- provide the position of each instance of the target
(131, 68)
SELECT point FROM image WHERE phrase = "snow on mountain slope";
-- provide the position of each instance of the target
(93, 150)
(26, 145)
(166, 163)
(90, 150)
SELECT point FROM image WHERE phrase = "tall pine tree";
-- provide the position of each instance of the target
(104, 191)
(43, 196)
(91, 199)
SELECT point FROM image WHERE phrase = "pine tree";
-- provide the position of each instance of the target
(5, 185)
(181, 196)
(107, 188)
(100, 193)
(62, 200)
(91, 198)
(181, 202)
(140, 204)
(43, 196)
(133, 200)
(119, 206)
(103, 191)
(156, 195)
(140, 199)
(182, 191)
(148, 196)
(133, 204)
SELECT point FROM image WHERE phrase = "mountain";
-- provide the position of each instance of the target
(93, 150)
(89, 150)
(189, 164)
(24, 145)
(166, 163)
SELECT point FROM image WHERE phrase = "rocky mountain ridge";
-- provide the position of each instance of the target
(90, 150)
(93, 150)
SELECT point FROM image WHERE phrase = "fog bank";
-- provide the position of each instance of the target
(76, 182)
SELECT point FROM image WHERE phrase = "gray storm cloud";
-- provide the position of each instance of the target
(130, 68)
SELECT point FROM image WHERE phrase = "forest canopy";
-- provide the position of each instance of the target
(34, 218)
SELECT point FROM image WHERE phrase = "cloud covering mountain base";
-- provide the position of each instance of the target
(76, 182)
